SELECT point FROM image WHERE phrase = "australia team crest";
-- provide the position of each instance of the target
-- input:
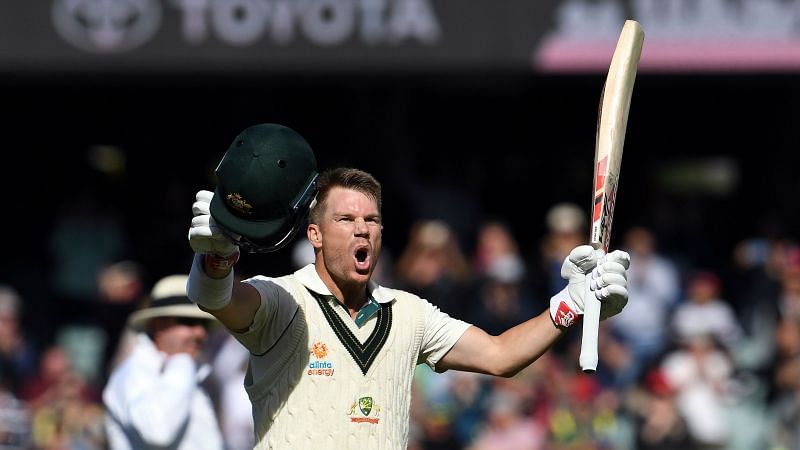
(365, 410)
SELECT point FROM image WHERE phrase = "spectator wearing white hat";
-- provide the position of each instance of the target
(154, 398)
(566, 229)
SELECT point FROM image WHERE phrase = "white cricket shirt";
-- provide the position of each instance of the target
(319, 381)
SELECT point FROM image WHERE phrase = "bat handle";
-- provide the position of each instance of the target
(591, 327)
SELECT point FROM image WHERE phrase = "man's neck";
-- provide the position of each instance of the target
(352, 301)
(351, 296)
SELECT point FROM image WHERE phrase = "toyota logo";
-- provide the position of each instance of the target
(107, 26)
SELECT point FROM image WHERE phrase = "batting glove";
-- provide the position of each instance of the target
(610, 283)
(205, 236)
(605, 276)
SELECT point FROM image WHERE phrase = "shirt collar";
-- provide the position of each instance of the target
(309, 277)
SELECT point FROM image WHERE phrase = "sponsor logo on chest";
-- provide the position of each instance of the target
(319, 367)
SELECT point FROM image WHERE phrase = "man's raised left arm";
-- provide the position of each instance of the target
(507, 354)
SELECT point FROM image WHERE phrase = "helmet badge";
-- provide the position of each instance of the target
(237, 202)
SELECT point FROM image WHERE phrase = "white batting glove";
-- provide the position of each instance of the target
(606, 277)
(205, 237)
(610, 283)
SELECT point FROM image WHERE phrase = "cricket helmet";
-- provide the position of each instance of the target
(265, 184)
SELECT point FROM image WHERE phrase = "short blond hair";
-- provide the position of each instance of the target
(344, 177)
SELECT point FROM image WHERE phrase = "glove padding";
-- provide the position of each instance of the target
(609, 283)
(606, 276)
(205, 236)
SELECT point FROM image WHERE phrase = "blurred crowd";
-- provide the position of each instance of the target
(701, 358)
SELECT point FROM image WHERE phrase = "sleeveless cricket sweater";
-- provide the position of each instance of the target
(333, 385)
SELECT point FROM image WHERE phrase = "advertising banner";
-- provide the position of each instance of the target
(680, 35)
(548, 36)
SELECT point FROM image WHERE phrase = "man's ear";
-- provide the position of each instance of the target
(314, 235)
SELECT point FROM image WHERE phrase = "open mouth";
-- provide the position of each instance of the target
(362, 258)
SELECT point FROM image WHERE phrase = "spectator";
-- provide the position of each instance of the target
(789, 301)
(18, 358)
(496, 247)
(229, 370)
(504, 295)
(566, 229)
(616, 359)
(659, 424)
(437, 431)
(585, 416)
(786, 405)
(433, 266)
(503, 301)
(65, 410)
(757, 263)
(121, 286)
(701, 373)
(55, 370)
(154, 398)
(507, 427)
(654, 287)
(769, 286)
(469, 393)
(704, 312)
(15, 426)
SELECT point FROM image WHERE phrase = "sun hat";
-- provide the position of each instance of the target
(167, 299)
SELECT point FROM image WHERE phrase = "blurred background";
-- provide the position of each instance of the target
(479, 119)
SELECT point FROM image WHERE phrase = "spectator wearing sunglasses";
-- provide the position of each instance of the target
(154, 397)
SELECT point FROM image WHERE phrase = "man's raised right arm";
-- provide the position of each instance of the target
(211, 282)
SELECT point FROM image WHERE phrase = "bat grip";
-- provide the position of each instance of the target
(591, 327)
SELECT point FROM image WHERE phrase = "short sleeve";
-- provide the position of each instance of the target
(440, 335)
(274, 315)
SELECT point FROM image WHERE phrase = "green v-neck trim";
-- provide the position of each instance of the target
(363, 354)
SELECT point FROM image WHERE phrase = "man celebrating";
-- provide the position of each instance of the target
(332, 352)
(153, 398)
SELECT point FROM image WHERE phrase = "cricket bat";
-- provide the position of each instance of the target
(615, 101)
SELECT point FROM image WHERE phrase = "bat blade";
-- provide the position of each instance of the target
(615, 101)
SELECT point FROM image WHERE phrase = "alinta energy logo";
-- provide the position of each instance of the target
(107, 26)
(320, 367)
